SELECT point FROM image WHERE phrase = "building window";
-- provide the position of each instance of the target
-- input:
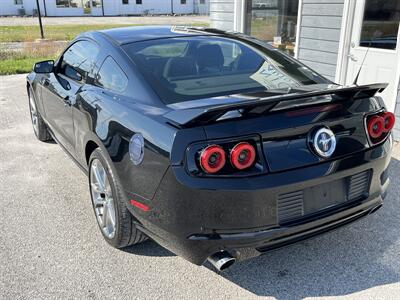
(183, 1)
(380, 24)
(125, 1)
(273, 21)
(96, 3)
(18, 2)
(69, 3)
(138, 1)
(202, 1)
(62, 3)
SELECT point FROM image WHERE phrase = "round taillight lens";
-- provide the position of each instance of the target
(376, 126)
(388, 121)
(212, 159)
(243, 156)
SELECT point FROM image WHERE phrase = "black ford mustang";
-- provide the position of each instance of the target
(213, 144)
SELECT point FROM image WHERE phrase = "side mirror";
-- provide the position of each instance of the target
(46, 66)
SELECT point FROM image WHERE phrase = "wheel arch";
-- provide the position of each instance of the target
(90, 143)
(89, 148)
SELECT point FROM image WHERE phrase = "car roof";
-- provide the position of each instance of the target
(131, 34)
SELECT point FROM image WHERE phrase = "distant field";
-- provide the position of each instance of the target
(54, 32)
(21, 61)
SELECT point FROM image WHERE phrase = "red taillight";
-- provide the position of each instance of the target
(379, 126)
(375, 126)
(388, 121)
(243, 156)
(212, 159)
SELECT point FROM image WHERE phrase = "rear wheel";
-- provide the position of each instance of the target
(39, 127)
(109, 204)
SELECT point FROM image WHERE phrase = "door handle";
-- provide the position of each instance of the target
(352, 57)
(67, 101)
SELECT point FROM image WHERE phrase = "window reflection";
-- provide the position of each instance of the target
(111, 76)
(81, 56)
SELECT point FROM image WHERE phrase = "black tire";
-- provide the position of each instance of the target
(126, 233)
(40, 130)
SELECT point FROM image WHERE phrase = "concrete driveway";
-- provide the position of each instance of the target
(50, 246)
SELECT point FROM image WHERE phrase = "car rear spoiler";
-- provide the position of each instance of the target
(208, 114)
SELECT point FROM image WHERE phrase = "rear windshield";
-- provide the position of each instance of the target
(184, 69)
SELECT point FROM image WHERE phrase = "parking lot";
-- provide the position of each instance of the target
(50, 246)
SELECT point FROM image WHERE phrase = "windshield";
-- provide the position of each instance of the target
(184, 69)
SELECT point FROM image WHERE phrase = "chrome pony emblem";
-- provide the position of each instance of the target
(323, 142)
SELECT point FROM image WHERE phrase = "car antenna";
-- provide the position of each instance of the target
(359, 70)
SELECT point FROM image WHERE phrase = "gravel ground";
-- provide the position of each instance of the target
(50, 246)
(145, 20)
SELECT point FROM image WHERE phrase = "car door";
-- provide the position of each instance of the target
(63, 86)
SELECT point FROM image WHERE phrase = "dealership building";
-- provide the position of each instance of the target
(330, 36)
(54, 8)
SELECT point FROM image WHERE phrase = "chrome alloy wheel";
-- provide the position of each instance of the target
(34, 114)
(103, 201)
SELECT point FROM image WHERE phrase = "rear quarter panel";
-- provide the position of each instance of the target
(110, 121)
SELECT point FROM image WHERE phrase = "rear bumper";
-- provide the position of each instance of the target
(250, 244)
(243, 219)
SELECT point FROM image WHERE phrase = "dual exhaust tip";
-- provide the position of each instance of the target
(221, 260)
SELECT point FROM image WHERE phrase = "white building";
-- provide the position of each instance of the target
(331, 36)
(54, 8)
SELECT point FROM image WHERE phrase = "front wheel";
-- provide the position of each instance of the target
(39, 127)
(109, 204)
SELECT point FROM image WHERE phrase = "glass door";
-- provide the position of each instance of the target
(273, 21)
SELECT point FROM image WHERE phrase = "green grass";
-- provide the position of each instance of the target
(22, 60)
(54, 32)
(19, 66)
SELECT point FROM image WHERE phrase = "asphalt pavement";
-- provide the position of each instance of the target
(50, 246)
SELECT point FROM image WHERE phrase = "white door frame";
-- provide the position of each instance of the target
(349, 8)
(239, 11)
(345, 41)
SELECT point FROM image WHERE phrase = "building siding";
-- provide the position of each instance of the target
(111, 8)
(9, 8)
(222, 14)
(318, 40)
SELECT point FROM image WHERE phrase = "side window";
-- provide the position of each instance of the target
(79, 60)
(111, 76)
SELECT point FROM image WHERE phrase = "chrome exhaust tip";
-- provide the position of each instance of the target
(221, 260)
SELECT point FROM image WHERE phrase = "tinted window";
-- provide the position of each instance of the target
(165, 50)
(111, 76)
(380, 24)
(185, 69)
(81, 57)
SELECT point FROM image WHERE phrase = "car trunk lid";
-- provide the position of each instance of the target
(285, 123)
